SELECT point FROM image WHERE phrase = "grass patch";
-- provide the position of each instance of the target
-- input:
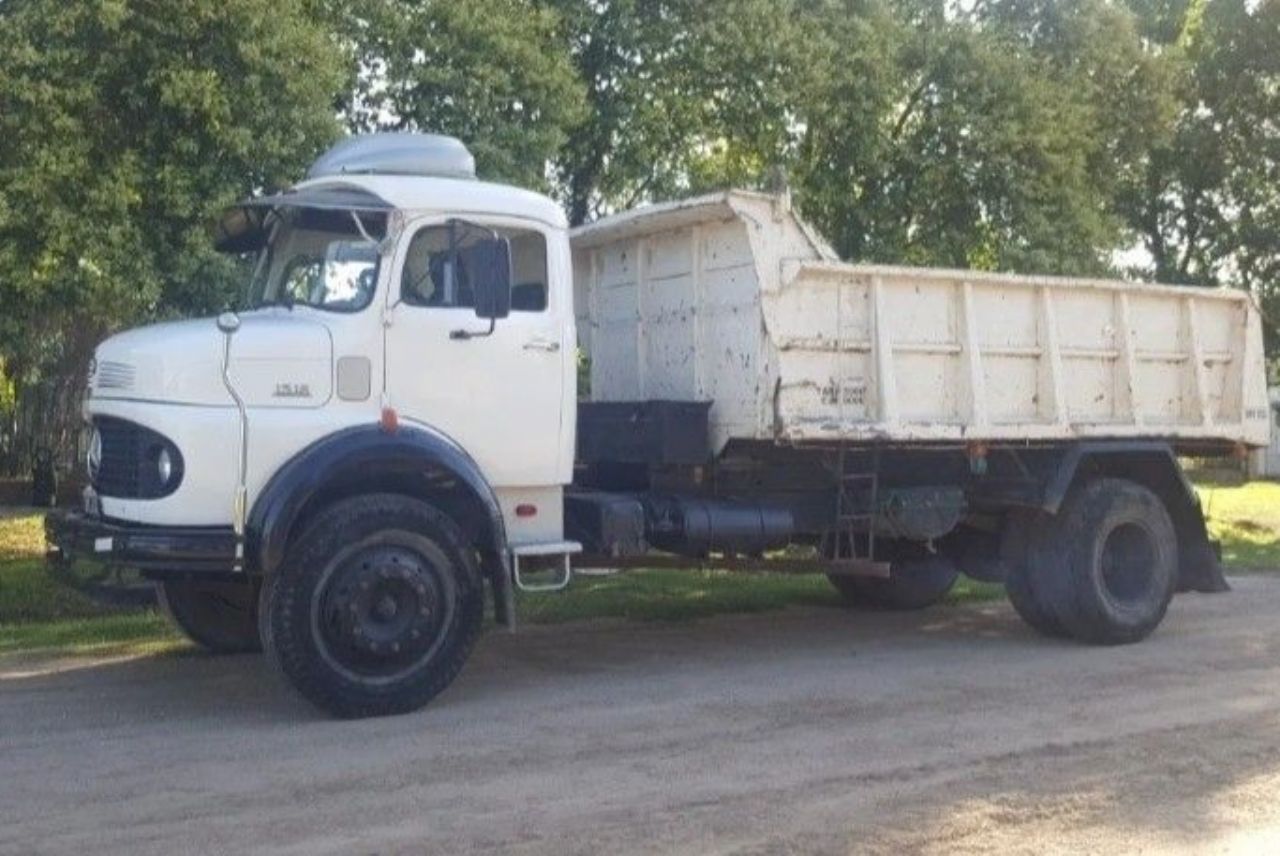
(669, 595)
(1246, 519)
(972, 591)
(21, 534)
(29, 592)
(142, 632)
(39, 612)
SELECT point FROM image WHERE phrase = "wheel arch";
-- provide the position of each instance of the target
(1154, 466)
(412, 461)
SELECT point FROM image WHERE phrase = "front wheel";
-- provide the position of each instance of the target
(221, 617)
(375, 608)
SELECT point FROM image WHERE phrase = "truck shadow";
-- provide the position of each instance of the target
(566, 658)
(173, 686)
(633, 657)
(802, 730)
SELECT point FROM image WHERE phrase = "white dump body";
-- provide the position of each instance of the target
(732, 299)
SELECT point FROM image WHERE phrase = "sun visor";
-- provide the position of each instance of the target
(243, 228)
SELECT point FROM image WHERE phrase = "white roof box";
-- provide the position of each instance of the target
(397, 154)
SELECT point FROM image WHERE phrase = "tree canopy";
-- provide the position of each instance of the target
(1137, 137)
(494, 74)
(991, 139)
(124, 126)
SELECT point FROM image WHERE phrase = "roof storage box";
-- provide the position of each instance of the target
(396, 154)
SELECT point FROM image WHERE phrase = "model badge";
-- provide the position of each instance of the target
(292, 390)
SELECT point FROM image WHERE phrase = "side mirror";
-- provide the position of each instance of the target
(488, 266)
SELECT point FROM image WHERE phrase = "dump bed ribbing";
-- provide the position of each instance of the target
(732, 299)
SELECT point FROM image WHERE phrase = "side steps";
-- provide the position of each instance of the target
(563, 549)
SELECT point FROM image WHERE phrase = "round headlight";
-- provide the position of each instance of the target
(164, 466)
(93, 456)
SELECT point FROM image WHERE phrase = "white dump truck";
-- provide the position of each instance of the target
(389, 436)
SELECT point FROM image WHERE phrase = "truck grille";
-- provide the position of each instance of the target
(127, 467)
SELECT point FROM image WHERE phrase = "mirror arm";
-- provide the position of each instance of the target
(467, 334)
(363, 233)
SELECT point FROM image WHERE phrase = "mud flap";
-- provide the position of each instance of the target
(498, 573)
(1200, 565)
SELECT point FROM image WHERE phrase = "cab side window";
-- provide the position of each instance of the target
(528, 271)
(436, 275)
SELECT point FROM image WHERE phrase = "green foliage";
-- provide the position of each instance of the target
(683, 95)
(1033, 135)
(119, 635)
(21, 536)
(6, 391)
(583, 366)
(29, 591)
(124, 125)
(1246, 519)
(990, 138)
(686, 595)
(1012, 134)
(493, 74)
(1208, 208)
(39, 611)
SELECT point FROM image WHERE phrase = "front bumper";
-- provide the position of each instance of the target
(154, 550)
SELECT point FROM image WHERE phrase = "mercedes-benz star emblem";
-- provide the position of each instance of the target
(94, 457)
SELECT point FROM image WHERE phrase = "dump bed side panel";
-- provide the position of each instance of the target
(731, 299)
(674, 314)
(915, 354)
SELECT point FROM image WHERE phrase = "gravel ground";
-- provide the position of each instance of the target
(950, 731)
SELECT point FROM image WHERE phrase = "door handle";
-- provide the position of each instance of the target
(549, 345)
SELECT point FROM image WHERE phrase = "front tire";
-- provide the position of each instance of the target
(220, 617)
(375, 608)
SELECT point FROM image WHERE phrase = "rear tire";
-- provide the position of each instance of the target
(914, 583)
(220, 617)
(375, 608)
(976, 554)
(1020, 583)
(1106, 566)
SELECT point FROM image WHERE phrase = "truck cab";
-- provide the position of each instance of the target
(406, 350)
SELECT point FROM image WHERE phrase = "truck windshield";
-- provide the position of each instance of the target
(319, 259)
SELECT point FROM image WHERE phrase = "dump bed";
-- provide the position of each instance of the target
(732, 299)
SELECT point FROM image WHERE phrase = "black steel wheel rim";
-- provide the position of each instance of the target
(1128, 560)
(382, 609)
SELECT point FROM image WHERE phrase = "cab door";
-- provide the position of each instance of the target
(500, 396)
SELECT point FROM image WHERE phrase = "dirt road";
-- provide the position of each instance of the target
(951, 731)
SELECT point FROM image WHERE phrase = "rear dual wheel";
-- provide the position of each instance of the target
(375, 608)
(917, 579)
(1102, 570)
